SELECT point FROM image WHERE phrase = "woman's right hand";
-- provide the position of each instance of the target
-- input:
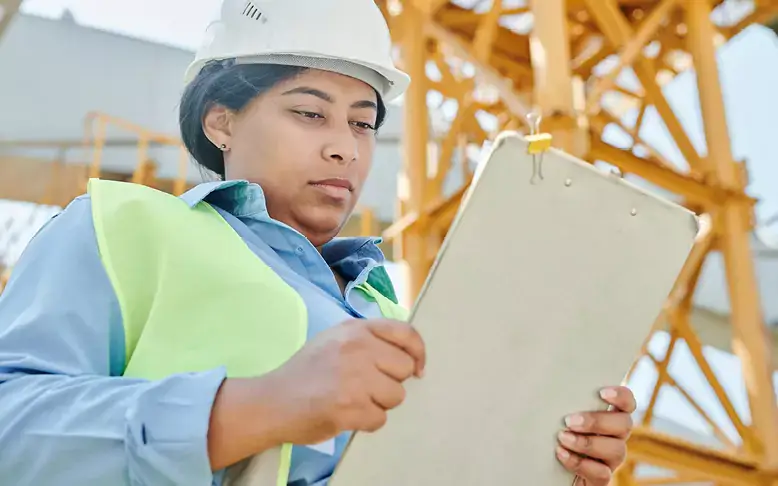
(345, 379)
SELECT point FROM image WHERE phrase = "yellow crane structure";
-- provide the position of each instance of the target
(562, 59)
(501, 61)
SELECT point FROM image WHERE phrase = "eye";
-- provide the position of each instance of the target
(363, 125)
(309, 114)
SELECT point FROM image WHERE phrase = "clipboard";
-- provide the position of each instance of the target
(546, 285)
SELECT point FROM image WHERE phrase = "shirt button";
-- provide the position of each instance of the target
(299, 250)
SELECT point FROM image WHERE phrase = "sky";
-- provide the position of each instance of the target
(749, 75)
(178, 23)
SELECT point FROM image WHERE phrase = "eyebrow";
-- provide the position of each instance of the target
(326, 97)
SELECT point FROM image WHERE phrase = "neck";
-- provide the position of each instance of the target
(317, 239)
(341, 281)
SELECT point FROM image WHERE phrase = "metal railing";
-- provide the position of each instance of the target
(95, 125)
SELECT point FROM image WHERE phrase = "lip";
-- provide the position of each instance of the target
(334, 182)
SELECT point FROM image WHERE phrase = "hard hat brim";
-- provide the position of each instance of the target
(394, 82)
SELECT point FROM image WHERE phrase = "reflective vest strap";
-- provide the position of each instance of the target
(389, 309)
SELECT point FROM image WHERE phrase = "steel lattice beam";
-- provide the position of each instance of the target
(705, 464)
(550, 67)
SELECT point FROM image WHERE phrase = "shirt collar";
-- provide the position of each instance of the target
(347, 251)
(244, 199)
(200, 192)
(239, 197)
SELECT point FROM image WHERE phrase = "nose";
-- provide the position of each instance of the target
(342, 147)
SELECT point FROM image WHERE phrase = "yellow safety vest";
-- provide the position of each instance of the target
(194, 297)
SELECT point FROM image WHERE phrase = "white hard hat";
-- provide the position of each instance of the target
(349, 37)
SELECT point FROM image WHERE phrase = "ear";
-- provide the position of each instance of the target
(217, 125)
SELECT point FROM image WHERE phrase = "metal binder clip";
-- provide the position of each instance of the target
(539, 143)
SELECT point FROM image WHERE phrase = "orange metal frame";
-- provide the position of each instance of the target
(95, 125)
(549, 68)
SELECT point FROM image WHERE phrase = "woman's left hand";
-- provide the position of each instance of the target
(595, 443)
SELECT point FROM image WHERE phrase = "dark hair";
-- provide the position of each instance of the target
(232, 86)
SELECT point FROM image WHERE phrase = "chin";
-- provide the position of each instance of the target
(323, 225)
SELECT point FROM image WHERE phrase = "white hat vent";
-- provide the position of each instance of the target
(251, 11)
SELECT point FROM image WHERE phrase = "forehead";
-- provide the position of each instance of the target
(342, 88)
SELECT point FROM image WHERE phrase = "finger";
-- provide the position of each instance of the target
(403, 336)
(613, 424)
(620, 397)
(609, 450)
(593, 472)
(369, 419)
(393, 361)
(385, 391)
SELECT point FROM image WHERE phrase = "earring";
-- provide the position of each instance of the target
(223, 147)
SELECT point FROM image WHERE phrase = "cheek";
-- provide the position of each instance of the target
(299, 157)
(274, 154)
(366, 159)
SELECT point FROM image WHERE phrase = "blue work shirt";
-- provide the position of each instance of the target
(67, 417)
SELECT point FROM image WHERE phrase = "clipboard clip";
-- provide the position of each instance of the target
(539, 143)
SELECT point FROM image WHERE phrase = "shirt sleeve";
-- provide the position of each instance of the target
(66, 414)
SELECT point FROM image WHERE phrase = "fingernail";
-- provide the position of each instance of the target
(574, 421)
(567, 439)
(562, 454)
(608, 394)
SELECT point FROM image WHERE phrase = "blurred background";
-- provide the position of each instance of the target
(678, 95)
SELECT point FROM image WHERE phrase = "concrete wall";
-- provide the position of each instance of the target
(55, 71)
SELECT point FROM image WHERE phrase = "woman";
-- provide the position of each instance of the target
(148, 339)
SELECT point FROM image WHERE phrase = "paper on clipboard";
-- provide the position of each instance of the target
(541, 294)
